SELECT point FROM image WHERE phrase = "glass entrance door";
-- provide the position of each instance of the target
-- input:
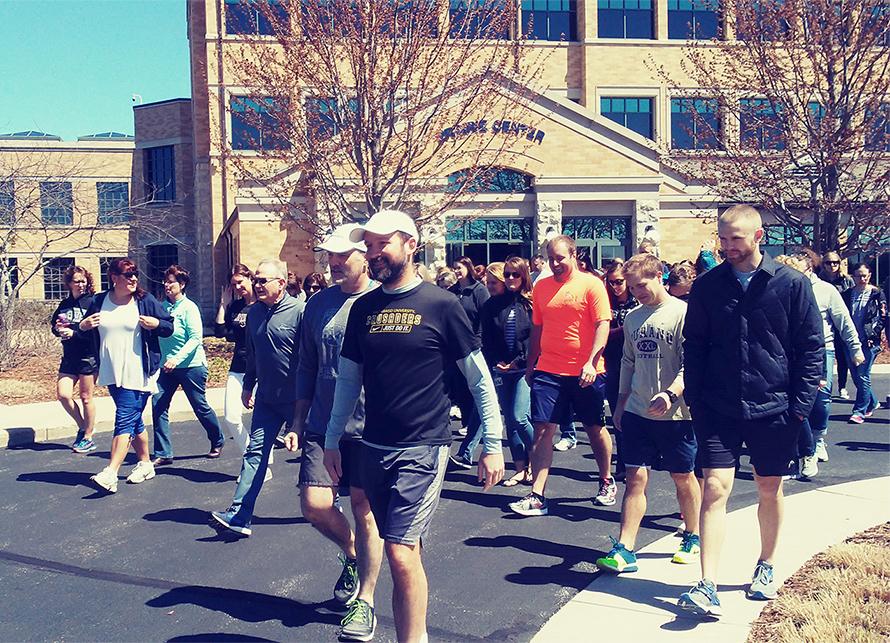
(488, 240)
(604, 238)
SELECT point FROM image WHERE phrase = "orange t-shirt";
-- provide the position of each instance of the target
(568, 312)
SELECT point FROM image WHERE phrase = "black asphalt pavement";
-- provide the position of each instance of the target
(145, 565)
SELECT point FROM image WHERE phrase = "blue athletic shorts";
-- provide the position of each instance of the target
(313, 472)
(644, 440)
(554, 397)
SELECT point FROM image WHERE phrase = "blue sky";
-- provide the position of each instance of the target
(70, 67)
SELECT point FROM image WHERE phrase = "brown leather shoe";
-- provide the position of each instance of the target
(160, 462)
(215, 452)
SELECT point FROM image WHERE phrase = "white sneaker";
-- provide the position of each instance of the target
(454, 414)
(106, 479)
(809, 466)
(144, 470)
(843, 394)
(821, 451)
(564, 444)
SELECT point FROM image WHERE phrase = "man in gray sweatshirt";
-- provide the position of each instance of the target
(272, 336)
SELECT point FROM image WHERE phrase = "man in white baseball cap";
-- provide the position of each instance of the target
(386, 222)
(340, 241)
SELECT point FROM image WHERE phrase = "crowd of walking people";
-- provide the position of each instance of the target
(694, 361)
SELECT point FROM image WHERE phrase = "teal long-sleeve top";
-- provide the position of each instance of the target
(184, 346)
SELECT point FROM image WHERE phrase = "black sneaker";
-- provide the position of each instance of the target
(359, 623)
(461, 461)
(346, 588)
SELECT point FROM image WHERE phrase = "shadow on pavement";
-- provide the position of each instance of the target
(194, 475)
(181, 515)
(250, 607)
(218, 637)
(64, 478)
(865, 446)
(39, 446)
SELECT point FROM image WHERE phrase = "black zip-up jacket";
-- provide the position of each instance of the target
(151, 348)
(78, 345)
(493, 321)
(471, 298)
(233, 330)
(875, 310)
(756, 353)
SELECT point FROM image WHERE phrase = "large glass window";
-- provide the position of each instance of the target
(549, 19)
(693, 19)
(487, 240)
(762, 19)
(783, 240)
(56, 203)
(601, 238)
(760, 125)
(104, 281)
(478, 19)
(632, 113)
(159, 173)
(160, 257)
(625, 19)
(498, 179)
(12, 275)
(54, 277)
(251, 18)
(322, 116)
(878, 23)
(695, 124)
(877, 138)
(114, 202)
(7, 204)
(255, 124)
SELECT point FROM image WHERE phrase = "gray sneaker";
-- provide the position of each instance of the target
(347, 585)
(702, 600)
(106, 479)
(821, 451)
(763, 586)
(359, 623)
(144, 470)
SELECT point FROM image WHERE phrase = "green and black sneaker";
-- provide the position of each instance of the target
(359, 623)
(347, 585)
(619, 559)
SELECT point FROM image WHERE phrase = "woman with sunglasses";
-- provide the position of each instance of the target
(868, 309)
(78, 364)
(125, 324)
(622, 302)
(313, 283)
(833, 273)
(505, 320)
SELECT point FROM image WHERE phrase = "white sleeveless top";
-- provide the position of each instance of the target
(120, 348)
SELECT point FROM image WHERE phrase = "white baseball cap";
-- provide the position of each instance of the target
(340, 240)
(386, 222)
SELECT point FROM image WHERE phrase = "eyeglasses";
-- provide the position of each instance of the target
(512, 275)
(616, 282)
(833, 263)
(314, 287)
(262, 281)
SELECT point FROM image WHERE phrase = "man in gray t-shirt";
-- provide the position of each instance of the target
(321, 338)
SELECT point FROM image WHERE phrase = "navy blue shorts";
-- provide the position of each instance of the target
(645, 440)
(554, 397)
(403, 489)
(771, 441)
(313, 472)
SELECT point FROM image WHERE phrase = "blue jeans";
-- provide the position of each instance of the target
(814, 428)
(474, 434)
(865, 397)
(129, 405)
(514, 396)
(193, 381)
(267, 421)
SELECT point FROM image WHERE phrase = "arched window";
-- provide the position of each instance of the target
(498, 179)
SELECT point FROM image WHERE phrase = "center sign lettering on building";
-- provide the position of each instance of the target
(482, 126)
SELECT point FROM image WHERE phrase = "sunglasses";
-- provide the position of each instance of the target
(616, 282)
(130, 274)
(262, 281)
(833, 263)
(512, 275)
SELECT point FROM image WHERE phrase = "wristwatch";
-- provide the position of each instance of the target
(673, 397)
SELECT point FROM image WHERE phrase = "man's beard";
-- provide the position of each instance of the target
(385, 272)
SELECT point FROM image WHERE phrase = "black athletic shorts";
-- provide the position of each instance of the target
(313, 472)
(771, 441)
(78, 366)
(645, 440)
(403, 489)
(555, 396)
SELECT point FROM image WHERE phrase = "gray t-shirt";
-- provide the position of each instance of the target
(321, 337)
(744, 277)
(653, 357)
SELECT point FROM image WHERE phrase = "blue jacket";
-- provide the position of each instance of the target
(151, 349)
(756, 353)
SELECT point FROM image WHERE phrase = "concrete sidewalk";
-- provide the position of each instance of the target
(642, 606)
(47, 421)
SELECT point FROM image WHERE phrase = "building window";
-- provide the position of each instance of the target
(160, 257)
(7, 204)
(783, 240)
(695, 124)
(104, 262)
(159, 173)
(693, 19)
(878, 23)
(549, 20)
(625, 19)
(478, 19)
(54, 277)
(56, 203)
(633, 113)
(256, 124)
(248, 17)
(487, 240)
(498, 179)
(760, 125)
(601, 238)
(114, 203)
(877, 138)
(766, 20)
(12, 276)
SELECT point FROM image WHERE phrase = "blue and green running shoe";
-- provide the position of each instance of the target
(689, 550)
(702, 600)
(619, 559)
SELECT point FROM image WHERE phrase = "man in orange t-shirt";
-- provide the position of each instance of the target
(570, 326)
